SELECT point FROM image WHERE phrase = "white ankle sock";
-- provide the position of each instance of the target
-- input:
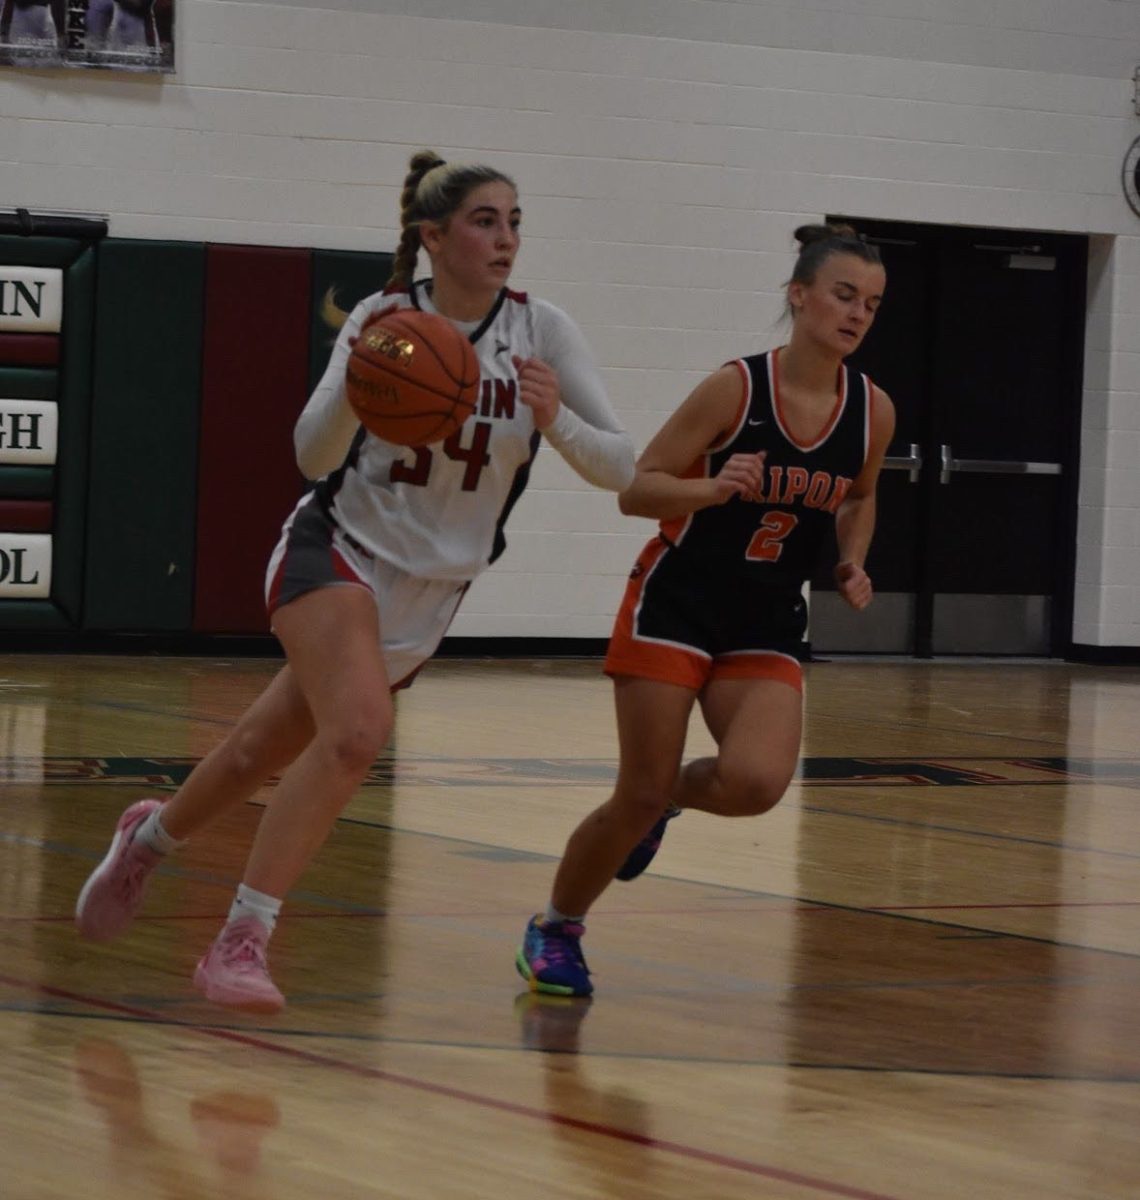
(155, 836)
(251, 903)
(552, 914)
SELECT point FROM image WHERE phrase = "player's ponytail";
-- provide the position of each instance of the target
(404, 261)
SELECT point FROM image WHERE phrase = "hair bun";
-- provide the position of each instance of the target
(424, 160)
(807, 235)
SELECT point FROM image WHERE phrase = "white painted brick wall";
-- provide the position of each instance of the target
(665, 150)
(1107, 608)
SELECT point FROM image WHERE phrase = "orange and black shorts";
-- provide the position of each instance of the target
(683, 621)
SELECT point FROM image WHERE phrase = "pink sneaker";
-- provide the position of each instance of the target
(114, 891)
(234, 970)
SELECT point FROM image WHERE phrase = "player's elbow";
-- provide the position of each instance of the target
(310, 462)
(617, 471)
(634, 494)
(627, 503)
(627, 465)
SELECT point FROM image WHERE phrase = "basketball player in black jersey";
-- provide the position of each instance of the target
(746, 477)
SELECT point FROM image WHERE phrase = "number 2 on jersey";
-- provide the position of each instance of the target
(768, 541)
(475, 456)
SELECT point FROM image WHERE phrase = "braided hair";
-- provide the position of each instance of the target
(433, 190)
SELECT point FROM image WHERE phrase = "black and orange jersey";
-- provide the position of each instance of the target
(777, 539)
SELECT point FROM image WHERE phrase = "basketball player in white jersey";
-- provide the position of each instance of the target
(372, 565)
(747, 477)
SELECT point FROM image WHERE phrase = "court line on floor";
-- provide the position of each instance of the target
(174, 871)
(816, 810)
(480, 1100)
(162, 1022)
(808, 903)
(954, 730)
(778, 904)
(901, 723)
(759, 988)
(985, 834)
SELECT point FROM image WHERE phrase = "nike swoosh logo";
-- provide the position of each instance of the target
(501, 347)
(762, 421)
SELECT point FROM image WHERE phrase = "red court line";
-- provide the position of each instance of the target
(1011, 904)
(467, 913)
(613, 1132)
(715, 909)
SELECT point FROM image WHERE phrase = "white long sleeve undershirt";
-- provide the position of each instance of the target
(586, 432)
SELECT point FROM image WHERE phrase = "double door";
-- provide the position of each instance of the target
(979, 343)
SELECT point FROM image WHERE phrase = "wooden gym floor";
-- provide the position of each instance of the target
(917, 979)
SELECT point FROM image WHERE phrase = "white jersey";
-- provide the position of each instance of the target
(437, 512)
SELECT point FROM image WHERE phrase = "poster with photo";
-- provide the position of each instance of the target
(125, 35)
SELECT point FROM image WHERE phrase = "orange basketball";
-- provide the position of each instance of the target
(412, 377)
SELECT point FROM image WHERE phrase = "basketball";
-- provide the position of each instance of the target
(412, 377)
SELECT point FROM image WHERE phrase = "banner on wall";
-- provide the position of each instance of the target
(125, 35)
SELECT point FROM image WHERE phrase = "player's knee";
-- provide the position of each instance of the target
(642, 803)
(245, 756)
(249, 755)
(752, 790)
(350, 746)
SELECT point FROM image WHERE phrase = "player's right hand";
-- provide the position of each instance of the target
(742, 475)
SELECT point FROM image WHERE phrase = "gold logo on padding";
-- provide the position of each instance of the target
(390, 345)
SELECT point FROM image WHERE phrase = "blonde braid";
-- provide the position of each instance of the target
(404, 260)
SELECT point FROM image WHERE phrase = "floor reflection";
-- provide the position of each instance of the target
(552, 1025)
(230, 1129)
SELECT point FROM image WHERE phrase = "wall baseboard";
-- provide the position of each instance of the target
(219, 645)
(86, 641)
(522, 647)
(1107, 656)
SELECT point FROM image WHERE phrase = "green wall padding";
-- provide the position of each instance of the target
(40, 251)
(74, 436)
(33, 614)
(26, 483)
(28, 383)
(144, 436)
(347, 276)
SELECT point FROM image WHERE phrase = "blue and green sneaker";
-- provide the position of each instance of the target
(550, 958)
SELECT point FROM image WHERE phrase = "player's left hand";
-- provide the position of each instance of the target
(854, 585)
(538, 389)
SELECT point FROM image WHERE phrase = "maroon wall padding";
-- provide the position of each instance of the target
(25, 516)
(254, 384)
(29, 349)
